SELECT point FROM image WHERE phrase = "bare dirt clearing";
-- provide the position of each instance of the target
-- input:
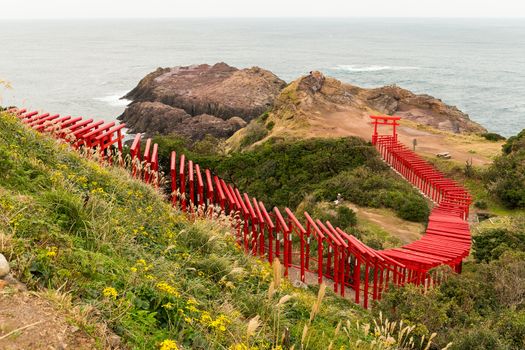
(31, 322)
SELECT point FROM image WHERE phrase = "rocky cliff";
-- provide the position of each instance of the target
(158, 118)
(168, 99)
(315, 93)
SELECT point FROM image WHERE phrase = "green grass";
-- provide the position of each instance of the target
(116, 246)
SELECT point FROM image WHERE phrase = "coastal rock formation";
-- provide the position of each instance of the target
(315, 94)
(423, 109)
(157, 118)
(319, 106)
(201, 99)
(219, 90)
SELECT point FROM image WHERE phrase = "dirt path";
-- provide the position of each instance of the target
(29, 322)
(386, 220)
(460, 147)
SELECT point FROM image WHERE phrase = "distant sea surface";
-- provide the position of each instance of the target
(83, 67)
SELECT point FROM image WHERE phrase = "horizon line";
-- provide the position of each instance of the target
(259, 17)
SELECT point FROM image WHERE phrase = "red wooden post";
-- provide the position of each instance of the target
(146, 160)
(302, 232)
(182, 179)
(209, 186)
(261, 226)
(253, 221)
(191, 184)
(155, 165)
(357, 278)
(220, 193)
(200, 186)
(271, 228)
(173, 173)
(365, 292)
(135, 156)
(281, 225)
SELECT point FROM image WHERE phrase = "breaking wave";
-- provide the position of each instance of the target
(373, 68)
(114, 99)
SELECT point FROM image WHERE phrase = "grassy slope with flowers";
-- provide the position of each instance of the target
(132, 262)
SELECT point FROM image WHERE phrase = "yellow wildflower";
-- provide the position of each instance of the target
(166, 288)
(110, 292)
(192, 301)
(168, 306)
(133, 269)
(192, 308)
(168, 344)
(52, 252)
(206, 318)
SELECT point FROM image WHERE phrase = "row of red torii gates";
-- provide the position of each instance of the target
(312, 247)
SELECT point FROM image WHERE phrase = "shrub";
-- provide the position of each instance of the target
(481, 204)
(369, 188)
(505, 178)
(492, 243)
(492, 136)
(478, 339)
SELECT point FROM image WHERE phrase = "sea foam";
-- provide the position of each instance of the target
(114, 100)
(372, 68)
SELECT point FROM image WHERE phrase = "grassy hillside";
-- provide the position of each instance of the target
(130, 261)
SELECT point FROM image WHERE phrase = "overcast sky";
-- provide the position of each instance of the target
(259, 8)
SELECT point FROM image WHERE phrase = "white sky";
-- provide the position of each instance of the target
(15, 9)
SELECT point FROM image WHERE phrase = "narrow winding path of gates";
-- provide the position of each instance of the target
(312, 247)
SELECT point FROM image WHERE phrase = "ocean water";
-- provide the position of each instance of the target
(83, 67)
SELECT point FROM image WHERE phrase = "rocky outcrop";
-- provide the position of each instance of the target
(219, 90)
(197, 100)
(423, 109)
(314, 94)
(157, 118)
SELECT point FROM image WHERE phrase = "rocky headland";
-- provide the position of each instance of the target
(201, 99)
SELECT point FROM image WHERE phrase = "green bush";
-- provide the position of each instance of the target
(492, 136)
(481, 204)
(479, 339)
(491, 244)
(505, 178)
(369, 188)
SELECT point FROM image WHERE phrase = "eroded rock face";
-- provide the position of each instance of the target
(315, 93)
(423, 109)
(219, 90)
(158, 118)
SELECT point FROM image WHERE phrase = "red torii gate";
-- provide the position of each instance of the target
(384, 120)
